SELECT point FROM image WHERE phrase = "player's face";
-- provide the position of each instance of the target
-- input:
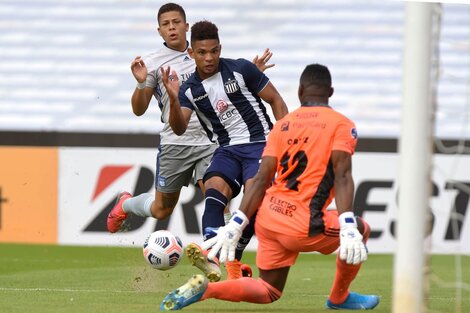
(173, 29)
(206, 54)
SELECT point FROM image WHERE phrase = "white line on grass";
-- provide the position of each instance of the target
(135, 291)
(72, 290)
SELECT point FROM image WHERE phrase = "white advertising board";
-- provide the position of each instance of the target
(90, 179)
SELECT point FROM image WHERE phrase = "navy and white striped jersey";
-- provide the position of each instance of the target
(227, 103)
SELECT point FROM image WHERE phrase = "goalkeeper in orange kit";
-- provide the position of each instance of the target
(308, 154)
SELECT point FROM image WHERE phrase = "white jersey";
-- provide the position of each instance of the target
(182, 63)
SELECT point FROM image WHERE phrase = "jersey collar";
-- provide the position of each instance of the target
(185, 50)
(315, 104)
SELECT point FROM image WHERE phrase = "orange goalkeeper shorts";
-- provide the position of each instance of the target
(276, 250)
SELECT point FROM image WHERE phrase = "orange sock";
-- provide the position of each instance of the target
(345, 274)
(245, 289)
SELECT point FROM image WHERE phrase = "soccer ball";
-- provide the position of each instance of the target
(163, 250)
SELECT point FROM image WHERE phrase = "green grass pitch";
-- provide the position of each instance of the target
(44, 278)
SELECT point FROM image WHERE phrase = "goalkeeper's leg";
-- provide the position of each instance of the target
(340, 296)
(245, 289)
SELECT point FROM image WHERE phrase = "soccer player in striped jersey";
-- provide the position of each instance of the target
(179, 157)
(227, 96)
(308, 154)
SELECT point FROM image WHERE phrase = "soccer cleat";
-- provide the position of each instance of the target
(198, 257)
(246, 270)
(234, 269)
(185, 295)
(117, 216)
(355, 301)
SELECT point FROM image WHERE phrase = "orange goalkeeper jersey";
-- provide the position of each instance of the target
(303, 142)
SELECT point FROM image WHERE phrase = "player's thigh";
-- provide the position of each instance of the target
(276, 278)
(175, 166)
(226, 167)
(271, 253)
(250, 160)
(328, 241)
(201, 163)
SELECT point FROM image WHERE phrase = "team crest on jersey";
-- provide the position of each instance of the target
(231, 86)
(221, 106)
(354, 133)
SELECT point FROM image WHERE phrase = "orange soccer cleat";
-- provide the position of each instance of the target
(236, 269)
(246, 270)
(117, 216)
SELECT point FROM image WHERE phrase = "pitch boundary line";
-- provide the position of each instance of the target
(136, 291)
(72, 290)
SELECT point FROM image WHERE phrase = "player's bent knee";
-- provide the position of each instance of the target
(363, 228)
(272, 294)
(275, 297)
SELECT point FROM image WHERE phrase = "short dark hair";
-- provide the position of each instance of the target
(203, 30)
(169, 7)
(316, 74)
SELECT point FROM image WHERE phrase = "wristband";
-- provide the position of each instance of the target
(347, 219)
(240, 218)
(141, 85)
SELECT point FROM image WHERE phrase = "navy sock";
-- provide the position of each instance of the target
(213, 216)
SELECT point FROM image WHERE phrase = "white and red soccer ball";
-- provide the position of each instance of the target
(163, 250)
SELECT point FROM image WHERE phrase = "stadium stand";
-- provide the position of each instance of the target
(64, 65)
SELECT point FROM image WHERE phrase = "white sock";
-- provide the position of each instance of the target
(140, 205)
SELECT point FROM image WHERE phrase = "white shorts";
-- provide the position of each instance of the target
(177, 165)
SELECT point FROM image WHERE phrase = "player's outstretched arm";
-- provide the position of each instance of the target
(272, 96)
(352, 249)
(179, 117)
(142, 95)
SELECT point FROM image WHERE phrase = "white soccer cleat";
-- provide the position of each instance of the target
(198, 257)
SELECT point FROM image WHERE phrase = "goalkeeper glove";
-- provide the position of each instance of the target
(227, 237)
(351, 249)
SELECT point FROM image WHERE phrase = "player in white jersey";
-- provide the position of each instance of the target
(227, 96)
(179, 156)
(192, 151)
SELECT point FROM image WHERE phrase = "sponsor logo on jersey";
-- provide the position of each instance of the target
(186, 58)
(201, 97)
(281, 206)
(184, 77)
(231, 86)
(221, 106)
(228, 115)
